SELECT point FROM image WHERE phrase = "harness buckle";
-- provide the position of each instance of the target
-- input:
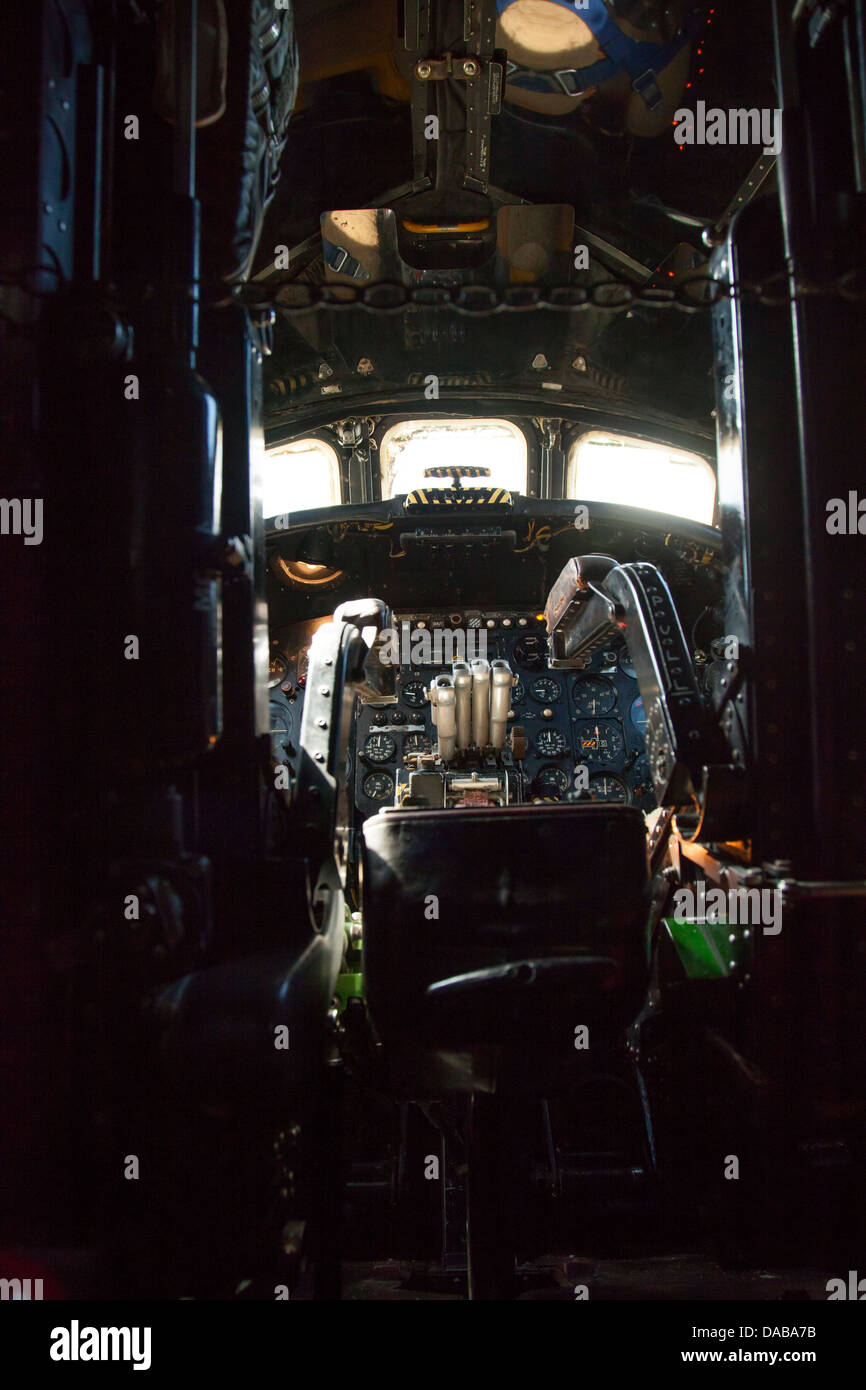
(647, 87)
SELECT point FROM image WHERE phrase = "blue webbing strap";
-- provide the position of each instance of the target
(642, 61)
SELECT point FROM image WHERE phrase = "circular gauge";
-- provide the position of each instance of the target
(625, 663)
(551, 781)
(518, 693)
(379, 748)
(594, 695)
(415, 694)
(638, 715)
(545, 690)
(282, 727)
(417, 743)
(531, 651)
(603, 787)
(642, 787)
(600, 741)
(551, 743)
(278, 669)
(379, 786)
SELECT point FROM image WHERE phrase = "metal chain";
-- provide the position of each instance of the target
(609, 296)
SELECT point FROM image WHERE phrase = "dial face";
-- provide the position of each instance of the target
(594, 695)
(625, 663)
(603, 787)
(282, 724)
(600, 740)
(637, 714)
(379, 748)
(545, 690)
(417, 743)
(379, 786)
(415, 694)
(531, 652)
(551, 743)
(551, 781)
(278, 669)
(518, 693)
(642, 783)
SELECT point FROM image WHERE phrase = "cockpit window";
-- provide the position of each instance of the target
(420, 453)
(299, 476)
(606, 467)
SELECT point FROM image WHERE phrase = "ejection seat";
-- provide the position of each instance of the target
(491, 935)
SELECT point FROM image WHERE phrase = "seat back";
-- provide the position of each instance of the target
(500, 925)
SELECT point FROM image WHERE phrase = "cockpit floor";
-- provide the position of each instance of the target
(671, 1278)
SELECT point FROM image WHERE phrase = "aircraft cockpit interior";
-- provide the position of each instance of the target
(433, 559)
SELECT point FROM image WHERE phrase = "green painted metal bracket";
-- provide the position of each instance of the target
(349, 986)
(705, 949)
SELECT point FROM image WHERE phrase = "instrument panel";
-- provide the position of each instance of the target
(584, 729)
